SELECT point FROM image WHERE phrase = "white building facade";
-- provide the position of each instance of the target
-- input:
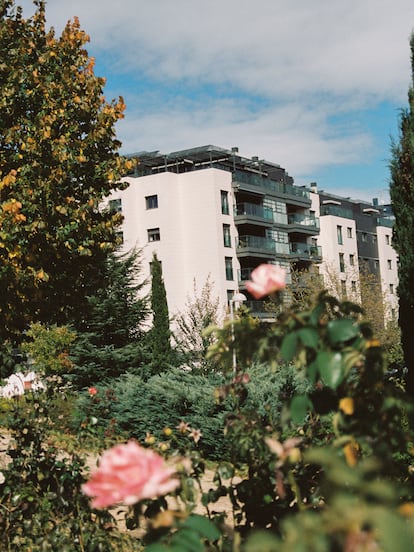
(210, 214)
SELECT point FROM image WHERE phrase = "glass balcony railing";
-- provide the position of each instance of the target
(270, 185)
(256, 242)
(304, 220)
(253, 210)
(385, 221)
(305, 250)
(336, 211)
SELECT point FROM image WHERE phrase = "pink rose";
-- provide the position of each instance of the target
(266, 279)
(127, 474)
(92, 391)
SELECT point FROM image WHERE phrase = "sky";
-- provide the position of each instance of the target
(315, 86)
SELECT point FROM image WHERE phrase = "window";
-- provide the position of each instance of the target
(153, 234)
(353, 286)
(115, 205)
(389, 264)
(352, 260)
(339, 235)
(364, 236)
(226, 235)
(151, 202)
(229, 268)
(224, 202)
(387, 239)
(343, 288)
(374, 238)
(392, 289)
(341, 262)
(349, 232)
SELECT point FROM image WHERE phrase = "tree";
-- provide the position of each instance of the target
(402, 198)
(200, 312)
(111, 339)
(160, 334)
(58, 161)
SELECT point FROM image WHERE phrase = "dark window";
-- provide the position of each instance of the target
(389, 263)
(353, 286)
(151, 202)
(387, 239)
(352, 260)
(339, 235)
(349, 232)
(153, 234)
(115, 205)
(343, 288)
(341, 262)
(392, 289)
(224, 202)
(229, 268)
(226, 235)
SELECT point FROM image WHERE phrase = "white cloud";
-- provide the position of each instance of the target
(280, 71)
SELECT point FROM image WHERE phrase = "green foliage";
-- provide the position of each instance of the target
(48, 348)
(58, 161)
(193, 341)
(111, 340)
(402, 197)
(160, 335)
(41, 503)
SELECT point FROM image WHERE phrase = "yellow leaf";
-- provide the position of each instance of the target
(351, 453)
(347, 405)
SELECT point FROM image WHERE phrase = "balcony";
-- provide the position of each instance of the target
(250, 212)
(262, 184)
(336, 211)
(385, 221)
(258, 246)
(303, 223)
(261, 309)
(305, 251)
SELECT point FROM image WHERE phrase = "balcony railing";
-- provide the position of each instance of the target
(305, 250)
(304, 220)
(385, 221)
(256, 242)
(336, 211)
(253, 210)
(270, 185)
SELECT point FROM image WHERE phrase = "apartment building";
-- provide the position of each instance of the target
(208, 212)
(356, 237)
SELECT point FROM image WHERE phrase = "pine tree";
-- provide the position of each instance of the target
(58, 160)
(402, 198)
(160, 335)
(112, 340)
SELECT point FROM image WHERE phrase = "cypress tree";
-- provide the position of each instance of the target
(160, 331)
(402, 198)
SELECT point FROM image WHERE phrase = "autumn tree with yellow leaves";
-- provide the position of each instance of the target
(58, 161)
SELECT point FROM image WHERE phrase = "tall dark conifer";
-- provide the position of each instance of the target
(402, 198)
(160, 332)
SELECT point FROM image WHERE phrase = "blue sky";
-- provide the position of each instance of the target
(314, 86)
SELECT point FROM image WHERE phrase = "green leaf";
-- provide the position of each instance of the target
(299, 407)
(340, 331)
(225, 470)
(289, 346)
(331, 368)
(203, 526)
(309, 337)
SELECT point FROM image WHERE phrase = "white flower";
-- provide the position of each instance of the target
(2, 478)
